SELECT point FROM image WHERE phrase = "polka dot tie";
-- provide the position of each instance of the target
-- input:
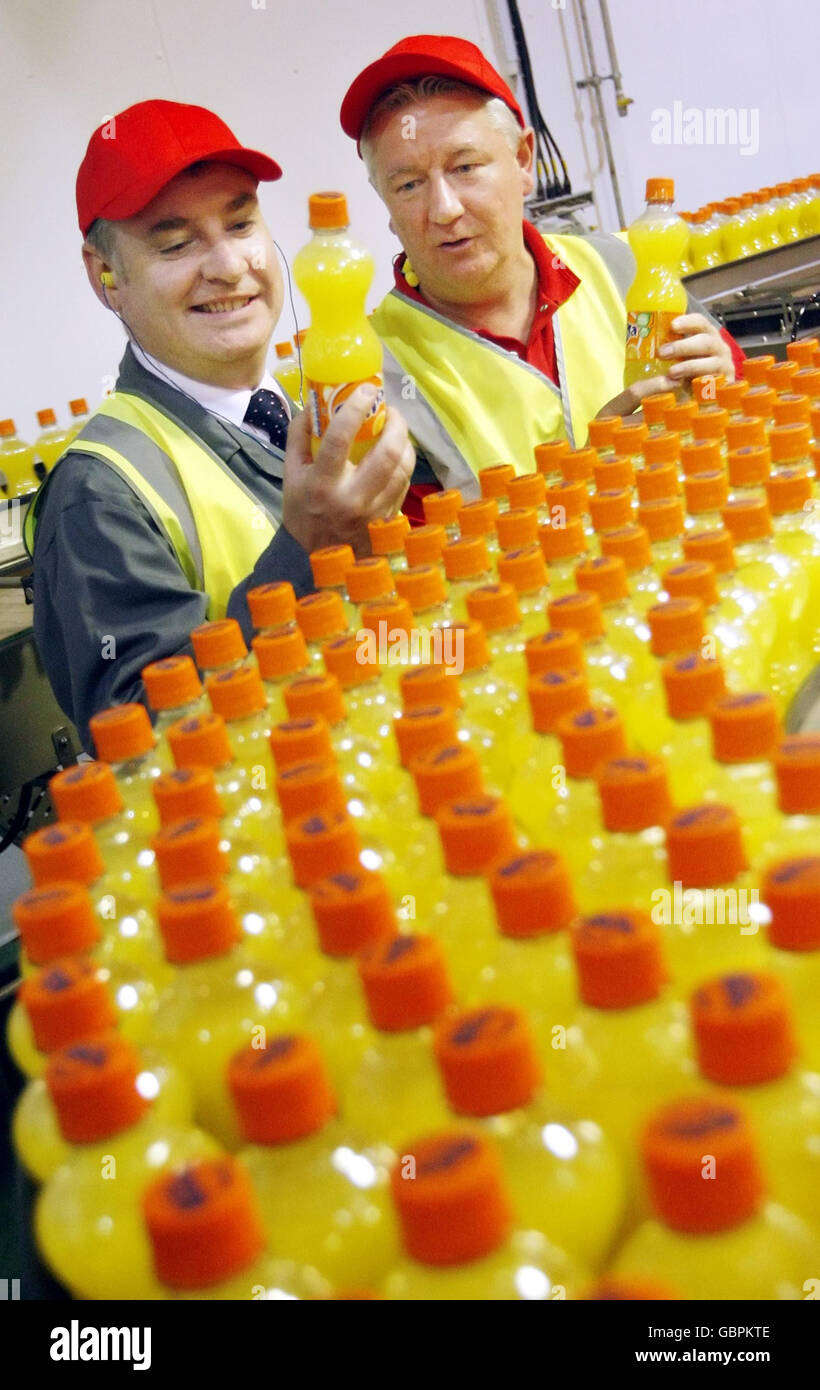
(267, 413)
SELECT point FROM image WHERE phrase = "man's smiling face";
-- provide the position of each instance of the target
(198, 281)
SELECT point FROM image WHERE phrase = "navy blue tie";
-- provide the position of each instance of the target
(266, 412)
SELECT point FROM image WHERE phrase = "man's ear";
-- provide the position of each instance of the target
(525, 156)
(95, 267)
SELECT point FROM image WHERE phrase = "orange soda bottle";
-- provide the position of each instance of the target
(123, 737)
(790, 889)
(174, 691)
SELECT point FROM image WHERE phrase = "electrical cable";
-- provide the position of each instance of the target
(547, 151)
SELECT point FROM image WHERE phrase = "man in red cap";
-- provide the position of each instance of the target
(191, 483)
(496, 337)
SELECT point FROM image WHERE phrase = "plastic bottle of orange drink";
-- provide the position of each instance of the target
(89, 793)
(341, 350)
(790, 891)
(656, 296)
(17, 472)
(626, 859)
(174, 691)
(51, 442)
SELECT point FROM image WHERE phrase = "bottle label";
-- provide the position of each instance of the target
(324, 400)
(647, 332)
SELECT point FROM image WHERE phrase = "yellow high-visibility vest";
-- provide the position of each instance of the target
(216, 526)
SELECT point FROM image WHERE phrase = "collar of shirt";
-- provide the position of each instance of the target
(556, 282)
(222, 401)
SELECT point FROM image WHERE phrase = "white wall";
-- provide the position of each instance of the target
(276, 73)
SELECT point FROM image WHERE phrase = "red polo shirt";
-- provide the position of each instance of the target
(556, 282)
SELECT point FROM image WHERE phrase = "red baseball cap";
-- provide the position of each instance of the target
(133, 155)
(422, 55)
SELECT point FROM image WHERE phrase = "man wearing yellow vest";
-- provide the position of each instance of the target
(497, 337)
(190, 483)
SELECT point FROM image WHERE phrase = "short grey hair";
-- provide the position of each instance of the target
(407, 93)
(102, 235)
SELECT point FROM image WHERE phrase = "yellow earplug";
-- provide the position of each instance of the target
(107, 279)
(409, 273)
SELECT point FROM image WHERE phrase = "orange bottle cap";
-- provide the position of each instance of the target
(422, 728)
(552, 694)
(236, 693)
(282, 1091)
(528, 490)
(558, 650)
(662, 517)
(611, 508)
(495, 480)
(488, 1060)
(46, 417)
(406, 982)
(660, 190)
(578, 466)
(743, 1029)
(806, 382)
(171, 682)
(424, 544)
(662, 448)
(562, 542)
(432, 684)
(328, 210)
(301, 740)
(525, 568)
(711, 425)
(704, 845)
(368, 579)
(549, 457)
(55, 921)
(693, 579)
(421, 586)
(676, 626)
(791, 892)
(203, 1223)
(657, 480)
(450, 773)
(617, 472)
(590, 737)
(747, 518)
(322, 844)
(791, 411)
(281, 653)
(571, 498)
(619, 959)
(750, 465)
(654, 408)
(602, 432)
(197, 922)
(272, 604)
(351, 910)
(802, 351)
(283, 349)
(634, 793)
(323, 615)
(387, 534)
(121, 733)
(691, 683)
(631, 543)
(679, 416)
(533, 894)
(789, 490)
(759, 402)
(394, 613)
(86, 792)
(318, 695)
(704, 388)
(94, 1087)
(580, 611)
(674, 1143)
(630, 437)
(706, 492)
(495, 606)
(79, 406)
(465, 558)
(64, 853)
(790, 442)
(814, 453)
(619, 1289)
(190, 850)
(744, 727)
(797, 767)
(730, 394)
(755, 368)
(779, 376)
(218, 643)
(348, 659)
(745, 433)
(441, 508)
(200, 741)
(475, 833)
(329, 566)
(186, 791)
(714, 545)
(456, 1208)
(66, 1001)
(304, 788)
(475, 651)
